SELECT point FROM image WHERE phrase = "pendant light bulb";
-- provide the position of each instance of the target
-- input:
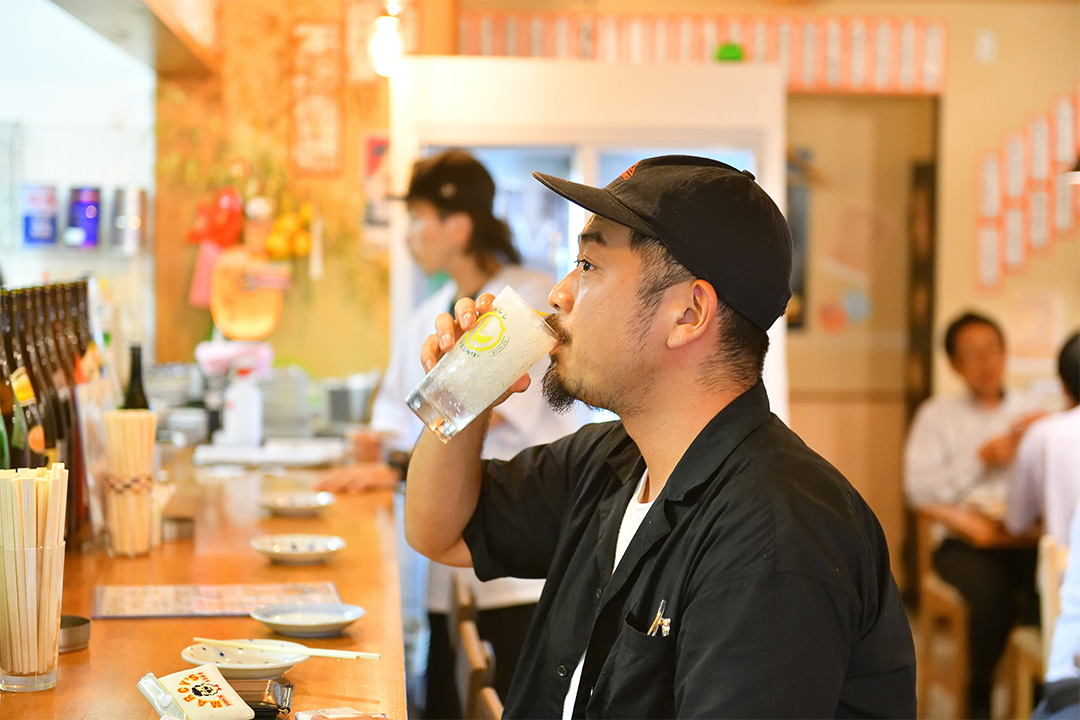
(385, 46)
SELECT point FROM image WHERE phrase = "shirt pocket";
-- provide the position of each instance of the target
(638, 678)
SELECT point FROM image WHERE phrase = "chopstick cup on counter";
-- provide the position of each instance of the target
(302, 650)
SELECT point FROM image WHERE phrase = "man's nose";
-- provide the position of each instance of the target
(561, 296)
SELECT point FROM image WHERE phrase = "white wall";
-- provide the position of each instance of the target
(86, 111)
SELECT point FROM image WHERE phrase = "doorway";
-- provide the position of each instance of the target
(855, 160)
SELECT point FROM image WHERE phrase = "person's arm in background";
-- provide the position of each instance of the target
(934, 472)
(1024, 501)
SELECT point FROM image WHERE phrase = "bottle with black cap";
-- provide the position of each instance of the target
(135, 397)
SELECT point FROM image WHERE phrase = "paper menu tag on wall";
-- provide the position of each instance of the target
(202, 692)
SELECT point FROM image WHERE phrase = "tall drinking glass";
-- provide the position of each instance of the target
(484, 362)
(30, 616)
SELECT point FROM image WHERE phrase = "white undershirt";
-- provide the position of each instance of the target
(631, 521)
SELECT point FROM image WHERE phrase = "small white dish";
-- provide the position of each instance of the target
(297, 503)
(247, 664)
(308, 620)
(298, 549)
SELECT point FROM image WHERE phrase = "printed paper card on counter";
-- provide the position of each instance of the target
(202, 692)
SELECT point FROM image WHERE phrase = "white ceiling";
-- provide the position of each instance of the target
(42, 44)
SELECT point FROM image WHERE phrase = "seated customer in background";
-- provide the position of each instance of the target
(1047, 480)
(960, 450)
(1061, 696)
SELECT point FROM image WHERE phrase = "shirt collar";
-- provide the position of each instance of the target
(708, 450)
(717, 440)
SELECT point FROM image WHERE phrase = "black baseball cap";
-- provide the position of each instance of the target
(714, 219)
(453, 181)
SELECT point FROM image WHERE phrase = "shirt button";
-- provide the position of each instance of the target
(561, 670)
(599, 592)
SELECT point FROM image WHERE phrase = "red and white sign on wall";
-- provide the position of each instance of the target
(316, 114)
(1036, 201)
(888, 55)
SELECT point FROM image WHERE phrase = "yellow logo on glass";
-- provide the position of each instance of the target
(487, 333)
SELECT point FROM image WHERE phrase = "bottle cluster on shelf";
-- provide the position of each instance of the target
(48, 351)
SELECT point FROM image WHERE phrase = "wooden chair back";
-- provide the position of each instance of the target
(942, 624)
(462, 605)
(474, 668)
(1050, 574)
(489, 705)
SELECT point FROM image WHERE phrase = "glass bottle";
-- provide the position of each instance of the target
(78, 518)
(90, 357)
(14, 454)
(42, 377)
(19, 454)
(52, 367)
(135, 396)
(37, 429)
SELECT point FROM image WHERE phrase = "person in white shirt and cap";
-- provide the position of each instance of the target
(452, 230)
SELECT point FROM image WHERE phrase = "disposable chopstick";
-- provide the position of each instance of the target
(32, 501)
(295, 648)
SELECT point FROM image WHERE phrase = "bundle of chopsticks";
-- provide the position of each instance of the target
(129, 454)
(32, 510)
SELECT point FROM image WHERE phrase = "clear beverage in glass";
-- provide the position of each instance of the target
(484, 362)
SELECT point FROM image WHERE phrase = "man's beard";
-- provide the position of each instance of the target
(561, 393)
(558, 396)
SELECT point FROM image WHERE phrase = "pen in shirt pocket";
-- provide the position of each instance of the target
(660, 622)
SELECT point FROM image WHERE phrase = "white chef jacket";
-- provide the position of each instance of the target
(527, 420)
(941, 460)
(1047, 480)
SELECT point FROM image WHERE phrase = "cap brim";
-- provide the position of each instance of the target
(596, 200)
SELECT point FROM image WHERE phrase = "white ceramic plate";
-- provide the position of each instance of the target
(298, 549)
(308, 619)
(297, 503)
(246, 664)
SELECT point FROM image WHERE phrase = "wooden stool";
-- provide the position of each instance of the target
(1022, 670)
(942, 620)
(1023, 666)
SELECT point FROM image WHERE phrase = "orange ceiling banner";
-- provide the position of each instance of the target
(894, 55)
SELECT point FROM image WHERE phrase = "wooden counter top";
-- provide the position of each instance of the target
(99, 682)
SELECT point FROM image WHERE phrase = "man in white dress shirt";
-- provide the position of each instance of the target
(1047, 481)
(961, 450)
(452, 230)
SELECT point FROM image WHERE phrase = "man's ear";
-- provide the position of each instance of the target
(693, 306)
(460, 227)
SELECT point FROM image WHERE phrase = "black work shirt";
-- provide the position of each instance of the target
(774, 570)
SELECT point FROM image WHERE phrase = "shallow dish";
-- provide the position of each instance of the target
(308, 619)
(298, 503)
(298, 549)
(247, 664)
